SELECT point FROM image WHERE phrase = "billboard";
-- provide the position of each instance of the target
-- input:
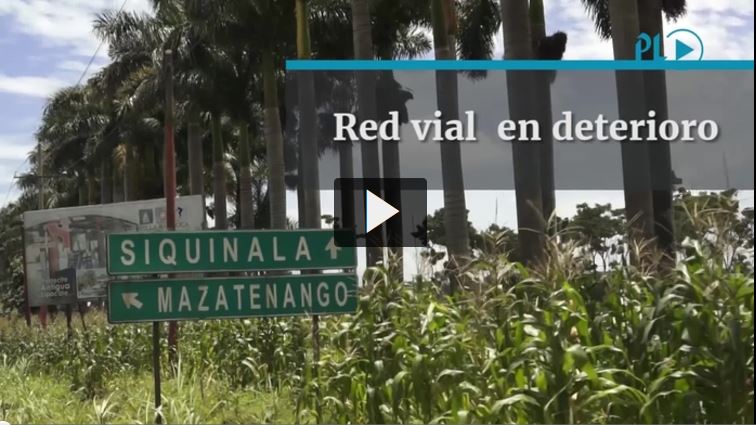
(65, 248)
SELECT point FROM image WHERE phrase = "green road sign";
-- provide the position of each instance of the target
(236, 250)
(225, 298)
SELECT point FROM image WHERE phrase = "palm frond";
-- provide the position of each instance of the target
(478, 21)
(598, 10)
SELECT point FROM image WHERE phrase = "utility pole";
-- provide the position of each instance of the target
(169, 188)
(41, 206)
(170, 180)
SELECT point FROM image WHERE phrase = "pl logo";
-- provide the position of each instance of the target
(687, 45)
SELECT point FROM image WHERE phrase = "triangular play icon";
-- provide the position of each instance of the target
(681, 49)
(377, 211)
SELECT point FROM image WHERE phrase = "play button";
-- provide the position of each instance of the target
(682, 49)
(377, 211)
(388, 212)
(684, 45)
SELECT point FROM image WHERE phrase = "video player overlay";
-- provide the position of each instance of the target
(708, 128)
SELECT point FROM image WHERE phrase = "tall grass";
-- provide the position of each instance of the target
(555, 344)
(30, 396)
(622, 348)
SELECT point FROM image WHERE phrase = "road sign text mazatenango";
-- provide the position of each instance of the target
(238, 250)
(223, 298)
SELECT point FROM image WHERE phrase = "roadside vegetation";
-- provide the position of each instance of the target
(560, 343)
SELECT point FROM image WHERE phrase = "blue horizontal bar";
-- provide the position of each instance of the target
(524, 65)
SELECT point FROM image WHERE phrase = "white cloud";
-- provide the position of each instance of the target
(72, 65)
(30, 85)
(726, 28)
(8, 190)
(15, 147)
(63, 23)
(14, 152)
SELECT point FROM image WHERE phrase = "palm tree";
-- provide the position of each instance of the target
(646, 16)
(246, 205)
(396, 35)
(219, 173)
(263, 29)
(194, 63)
(366, 105)
(308, 156)
(455, 211)
(625, 27)
(630, 94)
(542, 99)
(307, 134)
(599, 12)
(131, 82)
(529, 198)
(135, 79)
(75, 122)
(651, 22)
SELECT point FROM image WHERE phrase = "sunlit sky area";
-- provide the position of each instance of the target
(48, 44)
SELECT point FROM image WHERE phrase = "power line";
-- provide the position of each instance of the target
(10, 185)
(78, 82)
(89, 64)
(99, 46)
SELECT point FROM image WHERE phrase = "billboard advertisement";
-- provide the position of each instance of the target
(65, 248)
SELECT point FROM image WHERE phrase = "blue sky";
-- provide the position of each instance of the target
(46, 44)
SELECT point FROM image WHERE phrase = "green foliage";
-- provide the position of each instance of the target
(555, 344)
(598, 228)
(501, 236)
(28, 396)
(11, 257)
(551, 345)
(714, 219)
(12, 287)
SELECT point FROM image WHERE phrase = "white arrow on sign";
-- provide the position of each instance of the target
(333, 248)
(377, 211)
(130, 300)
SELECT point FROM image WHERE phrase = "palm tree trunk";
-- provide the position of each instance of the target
(219, 174)
(246, 206)
(542, 96)
(526, 155)
(650, 15)
(537, 22)
(194, 139)
(131, 174)
(117, 178)
(455, 209)
(308, 163)
(151, 173)
(346, 172)
(631, 101)
(106, 180)
(91, 187)
(274, 144)
(82, 192)
(392, 190)
(237, 200)
(366, 107)
(308, 143)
